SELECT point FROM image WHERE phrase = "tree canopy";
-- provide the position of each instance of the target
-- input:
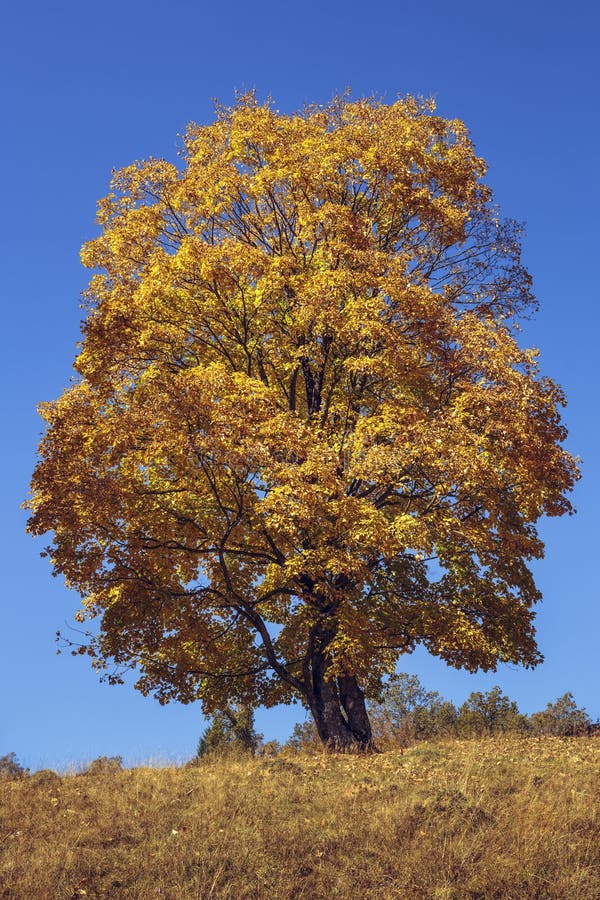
(303, 437)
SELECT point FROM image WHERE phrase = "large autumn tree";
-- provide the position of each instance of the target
(303, 438)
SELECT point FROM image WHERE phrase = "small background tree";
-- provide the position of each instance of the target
(11, 769)
(490, 712)
(561, 718)
(230, 729)
(437, 719)
(407, 711)
(304, 737)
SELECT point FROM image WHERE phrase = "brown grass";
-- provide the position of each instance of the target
(500, 818)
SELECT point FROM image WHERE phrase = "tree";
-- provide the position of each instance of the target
(303, 437)
(438, 719)
(563, 718)
(490, 712)
(405, 710)
(11, 769)
(402, 695)
(304, 737)
(230, 729)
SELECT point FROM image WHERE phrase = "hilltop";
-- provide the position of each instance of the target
(509, 817)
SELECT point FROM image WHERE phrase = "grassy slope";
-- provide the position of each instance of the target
(502, 818)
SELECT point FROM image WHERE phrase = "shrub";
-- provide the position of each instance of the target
(45, 776)
(105, 765)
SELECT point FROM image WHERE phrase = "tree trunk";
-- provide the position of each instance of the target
(337, 704)
(353, 702)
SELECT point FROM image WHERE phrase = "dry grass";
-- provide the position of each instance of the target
(501, 818)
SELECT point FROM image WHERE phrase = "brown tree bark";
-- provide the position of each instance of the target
(337, 704)
(353, 701)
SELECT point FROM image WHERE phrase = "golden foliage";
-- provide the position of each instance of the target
(298, 385)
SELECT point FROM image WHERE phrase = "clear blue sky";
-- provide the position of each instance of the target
(90, 86)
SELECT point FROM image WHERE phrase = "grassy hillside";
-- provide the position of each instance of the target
(498, 818)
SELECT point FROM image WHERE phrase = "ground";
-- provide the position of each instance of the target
(498, 818)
